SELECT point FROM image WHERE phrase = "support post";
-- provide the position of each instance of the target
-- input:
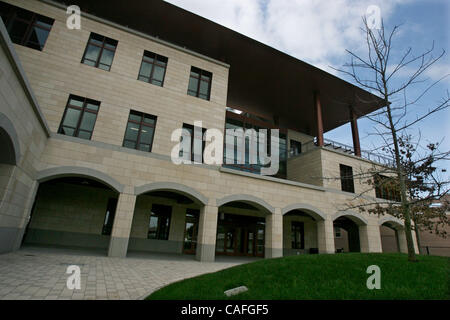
(207, 229)
(318, 108)
(355, 133)
(274, 235)
(123, 219)
(325, 236)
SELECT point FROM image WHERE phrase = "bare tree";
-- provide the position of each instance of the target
(377, 73)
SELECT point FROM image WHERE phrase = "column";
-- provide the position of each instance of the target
(123, 219)
(319, 121)
(355, 132)
(401, 240)
(206, 238)
(177, 226)
(274, 235)
(325, 236)
(370, 238)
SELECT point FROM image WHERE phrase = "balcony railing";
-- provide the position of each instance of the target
(340, 147)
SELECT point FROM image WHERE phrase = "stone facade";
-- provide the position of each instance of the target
(56, 72)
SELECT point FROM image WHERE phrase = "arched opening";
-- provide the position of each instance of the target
(72, 211)
(241, 227)
(346, 234)
(392, 235)
(300, 230)
(166, 219)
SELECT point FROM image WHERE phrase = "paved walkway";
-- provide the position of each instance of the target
(40, 273)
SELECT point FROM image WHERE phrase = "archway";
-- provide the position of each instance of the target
(392, 235)
(166, 218)
(243, 226)
(300, 229)
(347, 230)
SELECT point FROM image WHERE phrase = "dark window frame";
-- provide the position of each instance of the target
(102, 48)
(108, 221)
(347, 181)
(192, 127)
(156, 62)
(298, 227)
(295, 148)
(11, 17)
(82, 109)
(141, 124)
(200, 73)
(383, 189)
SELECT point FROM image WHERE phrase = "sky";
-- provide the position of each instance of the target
(319, 32)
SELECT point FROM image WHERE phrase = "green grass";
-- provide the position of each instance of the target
(337, 276)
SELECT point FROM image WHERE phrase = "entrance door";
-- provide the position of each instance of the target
(190, 231)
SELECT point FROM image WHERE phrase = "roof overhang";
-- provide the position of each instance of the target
(261, 79)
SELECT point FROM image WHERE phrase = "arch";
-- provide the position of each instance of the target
(172, 186)
(312, 211)
(355, 217)
(10, 139)
(392, 222)
(247, 198)
(72, 171)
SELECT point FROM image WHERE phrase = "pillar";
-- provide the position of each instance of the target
(274, 235)
(370, 238)
(325, 236)
(177, 226)
(401, 240)
(123, 219)
(207, 230)
(319, 121)
(355, 133)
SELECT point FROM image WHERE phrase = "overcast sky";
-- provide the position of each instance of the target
(319, 32)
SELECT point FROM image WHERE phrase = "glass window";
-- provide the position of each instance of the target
(79, 117)
(386, 188)
(347, 178)
(25, 27)
(295, 148)
(159, 223)
(109, 216)
(140, 131)
(298, 237)
(195, 141)
(99, 52)
(153, 68)
(199, 83)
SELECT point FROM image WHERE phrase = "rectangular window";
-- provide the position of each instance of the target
(295, 148)
(25, 27)
(347, 178)
(109, 217)
(140, 131)
(190, 144)
(298, 236)
(337, 232)
(386, 188)
(200, 83)
(79, 117)
(153, 68)
(99, 52)
(159, 224)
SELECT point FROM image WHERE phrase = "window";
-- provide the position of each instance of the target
(109, 217)
(337, 232)
(79, 117)
(295, 148)
(347, 178)
(200, 83)
(298, 236)
(99, 52)
(153, 68)
(140, 131)
(190, 145)
(26, 27)
(159, 224)
(386, 188)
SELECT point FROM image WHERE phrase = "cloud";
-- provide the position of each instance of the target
(317, 32)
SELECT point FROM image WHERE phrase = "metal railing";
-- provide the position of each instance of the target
(372, 156)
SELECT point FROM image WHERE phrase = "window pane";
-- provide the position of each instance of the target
(146, 69)
(84, 135)
(204, 88)
(144, 147)
(110, 44)
(92, 106)
(92, 53)
(67, 131)
(156, 82)
(88, 121)
(129, 144)
(146, 135)
(193, 84)
(132, 131)
(149, 120)
(71, 118)
(44, 22)
(18, 31)
(152, 227)
(76, 102)
(38, 37)
(104, 67)
(107, 57)
(96, 38)
(158, 73)
(135, 117)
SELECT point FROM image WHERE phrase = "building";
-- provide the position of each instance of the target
(86, 122)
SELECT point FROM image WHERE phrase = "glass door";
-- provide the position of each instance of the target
(190, 231)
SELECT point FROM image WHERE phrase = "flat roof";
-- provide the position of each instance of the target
(262, 79)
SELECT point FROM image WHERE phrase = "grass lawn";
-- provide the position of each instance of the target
(336, 276)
